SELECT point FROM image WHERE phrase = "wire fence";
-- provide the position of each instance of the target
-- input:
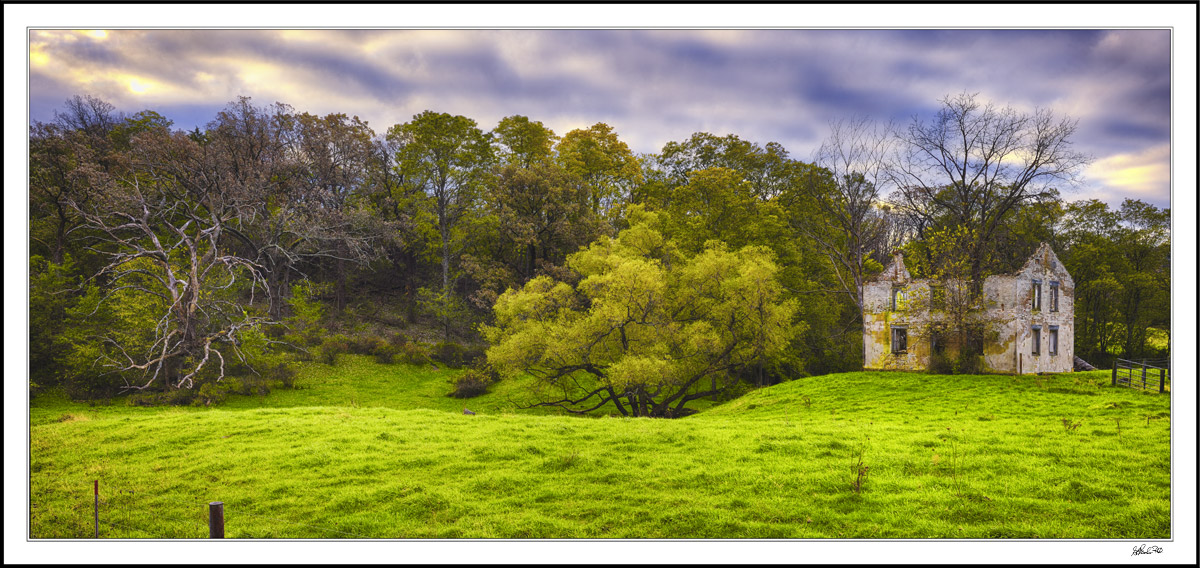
(143, 514)
(1140, 375)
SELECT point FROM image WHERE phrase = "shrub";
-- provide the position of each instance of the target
(173, 397)
(970, 364)
(283, 374)
(449, 353)
(474, 381)
(333, 345)
(386, 353)
(399, 339)
(940, 364)
(364, 344)
(475, 355)
(468, 385)
(413, 353)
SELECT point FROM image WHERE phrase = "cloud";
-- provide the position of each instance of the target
(652, 86)
(1145, 174)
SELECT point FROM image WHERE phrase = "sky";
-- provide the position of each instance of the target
(651, 85)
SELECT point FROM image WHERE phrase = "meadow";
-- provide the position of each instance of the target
(366, 450)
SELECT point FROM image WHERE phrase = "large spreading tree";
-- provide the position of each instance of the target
(645, 329)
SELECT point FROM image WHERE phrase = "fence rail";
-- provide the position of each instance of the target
(1139, 375)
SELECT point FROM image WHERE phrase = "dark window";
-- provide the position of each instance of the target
(899, 340)
(1053, 340)
(1037, 294)
(937, 298)
(1037, 340)
(937, 341)
(1054, 296)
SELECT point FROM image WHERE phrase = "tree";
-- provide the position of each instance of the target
(646, 328)
(846, 222)
(765, 170)
(333, 154)
(61, 167)
(540, 209)
(160, 229)
(523, 142)
(1120, 261)
(449, 159)
(951, 317)
(974, 163)
(607, 167)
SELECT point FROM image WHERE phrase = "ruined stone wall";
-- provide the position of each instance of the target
(1018, 290)
(1008, 320)
(878, 320)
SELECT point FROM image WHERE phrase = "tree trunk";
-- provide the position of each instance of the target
(340, 294)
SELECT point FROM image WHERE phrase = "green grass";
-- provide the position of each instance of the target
(379, 451)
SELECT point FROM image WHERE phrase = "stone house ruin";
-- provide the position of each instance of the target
(1026, 323)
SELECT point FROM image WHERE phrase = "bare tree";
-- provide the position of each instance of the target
(847, 223)
(974, 163)
(160, 228)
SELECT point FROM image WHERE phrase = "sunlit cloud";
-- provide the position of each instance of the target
(1144, 174)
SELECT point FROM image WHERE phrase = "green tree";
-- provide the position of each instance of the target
(449, 159)
(646, 328)
(523, 142)
(607, 167)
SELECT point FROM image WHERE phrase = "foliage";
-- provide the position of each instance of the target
(647, 328)
(50, 298)
(289, 217)
(449, 353)
(474, 381)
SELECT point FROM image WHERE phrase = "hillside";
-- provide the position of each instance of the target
(378, 451)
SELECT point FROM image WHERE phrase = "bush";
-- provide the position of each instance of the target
(331, 346)
(413, 353)
(282, 374)
(970, 364)
(940, 364)
(449, 353)
(475, 355)
(399, 339)
(385, 353)
(364, 344)
(468, 385)
(173, 397)
(474, 381)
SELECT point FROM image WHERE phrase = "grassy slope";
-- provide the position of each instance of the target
(379, 451)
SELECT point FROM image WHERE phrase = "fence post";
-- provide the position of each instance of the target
(1162, 380)
(216, 519)
(1114, 378)
(1143, 377)
(96, 505)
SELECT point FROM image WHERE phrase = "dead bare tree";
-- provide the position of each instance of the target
(160, 228)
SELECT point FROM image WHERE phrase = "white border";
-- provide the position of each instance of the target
(1182, 18)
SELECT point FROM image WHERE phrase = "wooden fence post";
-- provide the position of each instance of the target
(1114, 378)
(1162, 380)
(216, 519)
(1143, 377)
(96, 505)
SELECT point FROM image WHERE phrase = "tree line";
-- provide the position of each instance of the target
(162, 258)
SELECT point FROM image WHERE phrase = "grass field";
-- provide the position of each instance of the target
(379, 451)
